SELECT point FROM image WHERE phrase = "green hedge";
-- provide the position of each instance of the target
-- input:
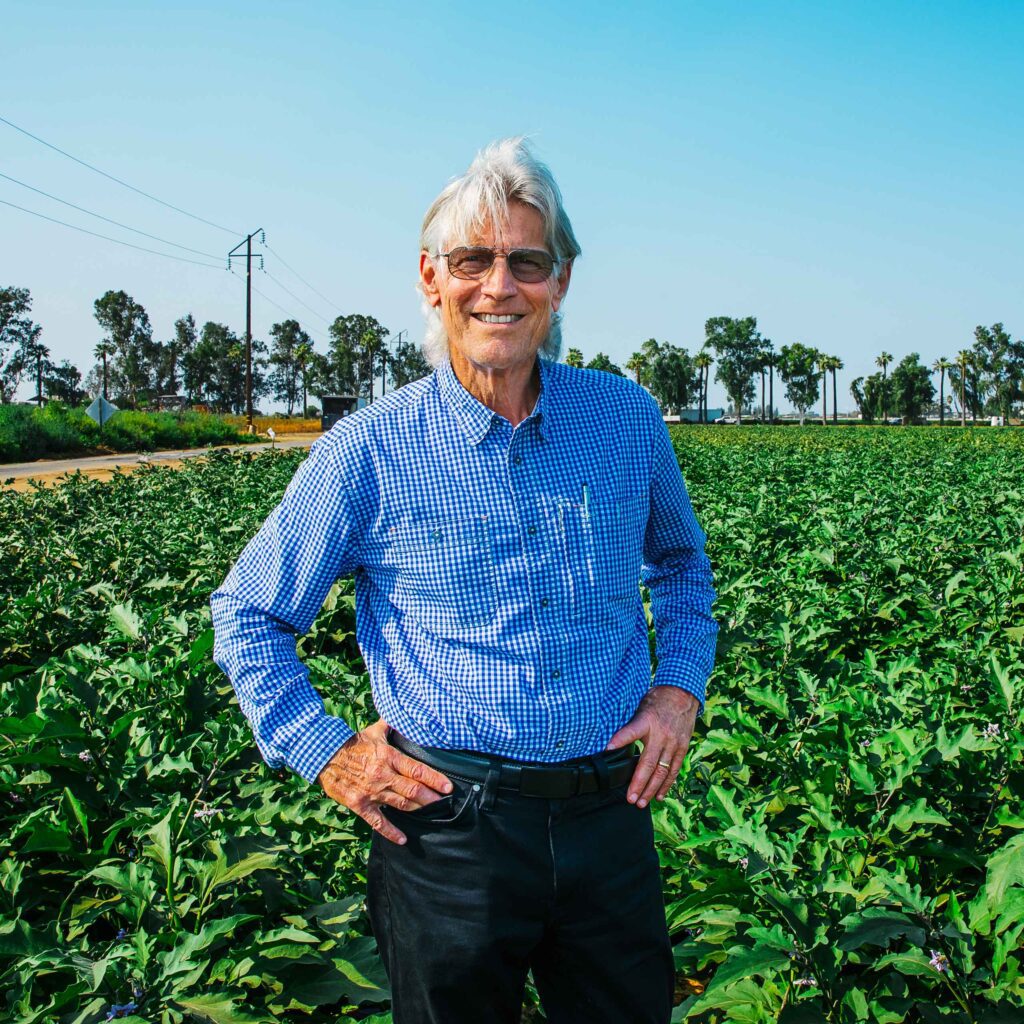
(27, 433)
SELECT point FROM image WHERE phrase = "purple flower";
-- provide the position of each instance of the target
(744, 861)
(121, 1010)
(205, 812)
(121, 934)
(84, 755)
(939, 961)
(805, 982)
(992, 731)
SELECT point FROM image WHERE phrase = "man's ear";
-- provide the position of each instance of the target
(562, 286)
(428, 279)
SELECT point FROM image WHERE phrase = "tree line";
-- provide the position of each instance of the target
(987, 379)
(206, 365)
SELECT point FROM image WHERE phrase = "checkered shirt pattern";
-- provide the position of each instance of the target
(497, 573)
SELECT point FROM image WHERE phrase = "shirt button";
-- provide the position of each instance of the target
(560, 743)
(531, 530)
(518, 460)
(544, 602)
(556, 674)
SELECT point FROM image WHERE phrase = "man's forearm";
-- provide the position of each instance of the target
(287, 715)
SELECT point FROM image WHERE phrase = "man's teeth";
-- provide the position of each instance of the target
(490, 318)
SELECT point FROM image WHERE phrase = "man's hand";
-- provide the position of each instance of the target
(368, 772)
(664, 724)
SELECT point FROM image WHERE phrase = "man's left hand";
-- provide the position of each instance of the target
(664, 724)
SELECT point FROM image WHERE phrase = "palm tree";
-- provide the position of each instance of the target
(834, 363)
(101, 351)
(940, 366)
(883, 361)
(702, 360)
(636, 364)
(39, 352)
(823, 362)
(964, 359)
(574, 357)
(769, 362)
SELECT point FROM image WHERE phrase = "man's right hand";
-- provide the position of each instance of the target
(367, 772)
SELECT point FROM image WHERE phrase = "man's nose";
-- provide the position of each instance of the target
(499, 281)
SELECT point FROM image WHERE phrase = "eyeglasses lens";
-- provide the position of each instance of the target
(530, 266)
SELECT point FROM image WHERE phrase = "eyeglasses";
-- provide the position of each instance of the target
(471, 262)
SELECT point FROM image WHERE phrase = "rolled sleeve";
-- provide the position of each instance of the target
(677, 572)
(272, 594)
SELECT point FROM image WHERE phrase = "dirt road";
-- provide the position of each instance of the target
(16, 476)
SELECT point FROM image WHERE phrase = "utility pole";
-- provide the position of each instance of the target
(248, 313)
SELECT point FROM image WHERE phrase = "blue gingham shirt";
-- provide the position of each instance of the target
(496, 570)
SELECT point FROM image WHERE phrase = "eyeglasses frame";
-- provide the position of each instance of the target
(495, 253)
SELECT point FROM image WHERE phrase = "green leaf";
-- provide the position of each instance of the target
(218, 1008)
(953, 585)
(200, 648)
(1004, 868)
(721, 801)
(878, 926)
(78, 810)
(161, 847)
(918, 813)
(912, 962)
(124, 619)
(752, 838)
(1002, 678)
(741, 962)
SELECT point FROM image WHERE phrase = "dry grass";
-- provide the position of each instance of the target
(280, 424)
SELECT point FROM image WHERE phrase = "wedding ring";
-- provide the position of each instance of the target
(665, 764)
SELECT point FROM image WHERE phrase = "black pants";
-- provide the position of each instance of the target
(492, 884)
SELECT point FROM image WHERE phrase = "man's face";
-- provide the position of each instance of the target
(466, 305)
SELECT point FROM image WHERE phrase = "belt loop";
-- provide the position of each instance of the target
(491, 787)
(601, 771)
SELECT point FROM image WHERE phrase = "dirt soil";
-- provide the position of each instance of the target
(48, 474)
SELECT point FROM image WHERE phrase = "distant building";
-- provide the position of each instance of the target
(336, 407)
(169, 403)
(693, 416)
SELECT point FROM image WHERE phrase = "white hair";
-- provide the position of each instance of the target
(502, 173)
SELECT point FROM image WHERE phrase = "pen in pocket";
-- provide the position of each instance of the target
(588, 539)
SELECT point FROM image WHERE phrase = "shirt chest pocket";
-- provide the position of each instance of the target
(603, 552)
(446, 574)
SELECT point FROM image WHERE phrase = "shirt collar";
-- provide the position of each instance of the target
(473, 416)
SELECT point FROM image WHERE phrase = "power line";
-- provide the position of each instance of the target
(278, 306)
(99, 216)
(57, 149)
(332, 305)
(296, 298)
(96, 234)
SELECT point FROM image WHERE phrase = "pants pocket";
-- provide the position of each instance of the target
(449, 810)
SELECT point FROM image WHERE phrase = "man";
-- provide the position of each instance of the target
(498, 516)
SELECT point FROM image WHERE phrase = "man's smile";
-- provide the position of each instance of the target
(494, 318)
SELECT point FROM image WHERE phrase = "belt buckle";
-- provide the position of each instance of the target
(552, 784)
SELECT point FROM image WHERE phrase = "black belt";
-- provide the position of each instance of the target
(554, 781)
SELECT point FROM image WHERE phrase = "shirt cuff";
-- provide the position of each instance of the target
(308, 755)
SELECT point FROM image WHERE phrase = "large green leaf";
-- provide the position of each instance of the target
(218, 1008)
(878, 926)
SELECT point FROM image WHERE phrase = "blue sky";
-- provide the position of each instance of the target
(848, 173)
